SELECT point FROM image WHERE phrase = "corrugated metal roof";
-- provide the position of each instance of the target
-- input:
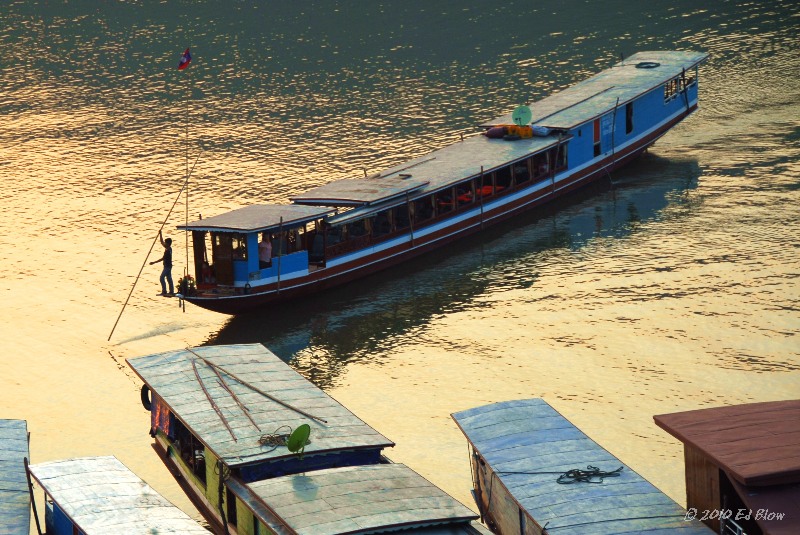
(358, 499)
(352, 192)
(102, 496)
(171, 376)
(755, 443)
(527, 444)
(258, 217)
(615, 86)
(15, 506)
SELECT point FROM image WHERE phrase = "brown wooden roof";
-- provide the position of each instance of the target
(757, 444)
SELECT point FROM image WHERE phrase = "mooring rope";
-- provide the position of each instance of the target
(576, 475)
(275, 438)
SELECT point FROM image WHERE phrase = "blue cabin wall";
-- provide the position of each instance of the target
(296, 465)
(649, 110)
(57, 523)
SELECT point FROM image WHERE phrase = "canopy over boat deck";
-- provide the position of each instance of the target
(230, 434)
(609, 89)
(99, 495)
(743, 455)
(357, 499)
(258, 218)
(356, 192)
(15, 505)
(520, 450)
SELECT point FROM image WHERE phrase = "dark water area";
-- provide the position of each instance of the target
(672, 286)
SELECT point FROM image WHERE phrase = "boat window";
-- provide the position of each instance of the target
(423, 209)
(629, 117)
(540, 165)
(597, 149)
(190, 450)
(239, 247)
(230, 502)
(382, 224)
(522, 171)
(560, 156)
(444, 201)
(503, 179)
(400, 217)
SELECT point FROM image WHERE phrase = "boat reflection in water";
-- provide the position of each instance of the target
(355, 323)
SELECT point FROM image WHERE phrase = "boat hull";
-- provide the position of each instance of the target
(460, 227)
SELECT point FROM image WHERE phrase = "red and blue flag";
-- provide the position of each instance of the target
(186, 59)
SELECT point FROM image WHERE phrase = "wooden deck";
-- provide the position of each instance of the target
(359, 499)
(15, 506)
(100, 495)
(521, 448)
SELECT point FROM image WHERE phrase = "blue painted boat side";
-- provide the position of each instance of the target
(520, 449)
(15, 504)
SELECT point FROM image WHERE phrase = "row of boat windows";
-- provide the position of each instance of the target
(324, 241)
(340, 239)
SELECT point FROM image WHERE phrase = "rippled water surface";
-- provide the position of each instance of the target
(671, 287)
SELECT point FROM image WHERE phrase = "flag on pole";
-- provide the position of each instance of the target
(186, 59)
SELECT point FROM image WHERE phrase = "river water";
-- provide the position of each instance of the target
(674, 286)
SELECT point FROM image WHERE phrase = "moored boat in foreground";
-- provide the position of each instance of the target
(100, 495)
(350, 228)
(536, 473)
(224, 419)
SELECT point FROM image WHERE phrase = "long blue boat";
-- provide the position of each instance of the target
(535, 473)
(15, 502)
(344, 230)
(223, 419)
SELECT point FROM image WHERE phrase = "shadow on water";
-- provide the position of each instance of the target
(354, 322)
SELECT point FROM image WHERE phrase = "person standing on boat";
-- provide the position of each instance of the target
(166, 273)
(265, 251)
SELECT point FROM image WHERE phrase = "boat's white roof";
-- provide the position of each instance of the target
(357, 499)
(100, 495)
(259, 217)
(353, 192)
(612, 87)
(171, 377)
(15, 504)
